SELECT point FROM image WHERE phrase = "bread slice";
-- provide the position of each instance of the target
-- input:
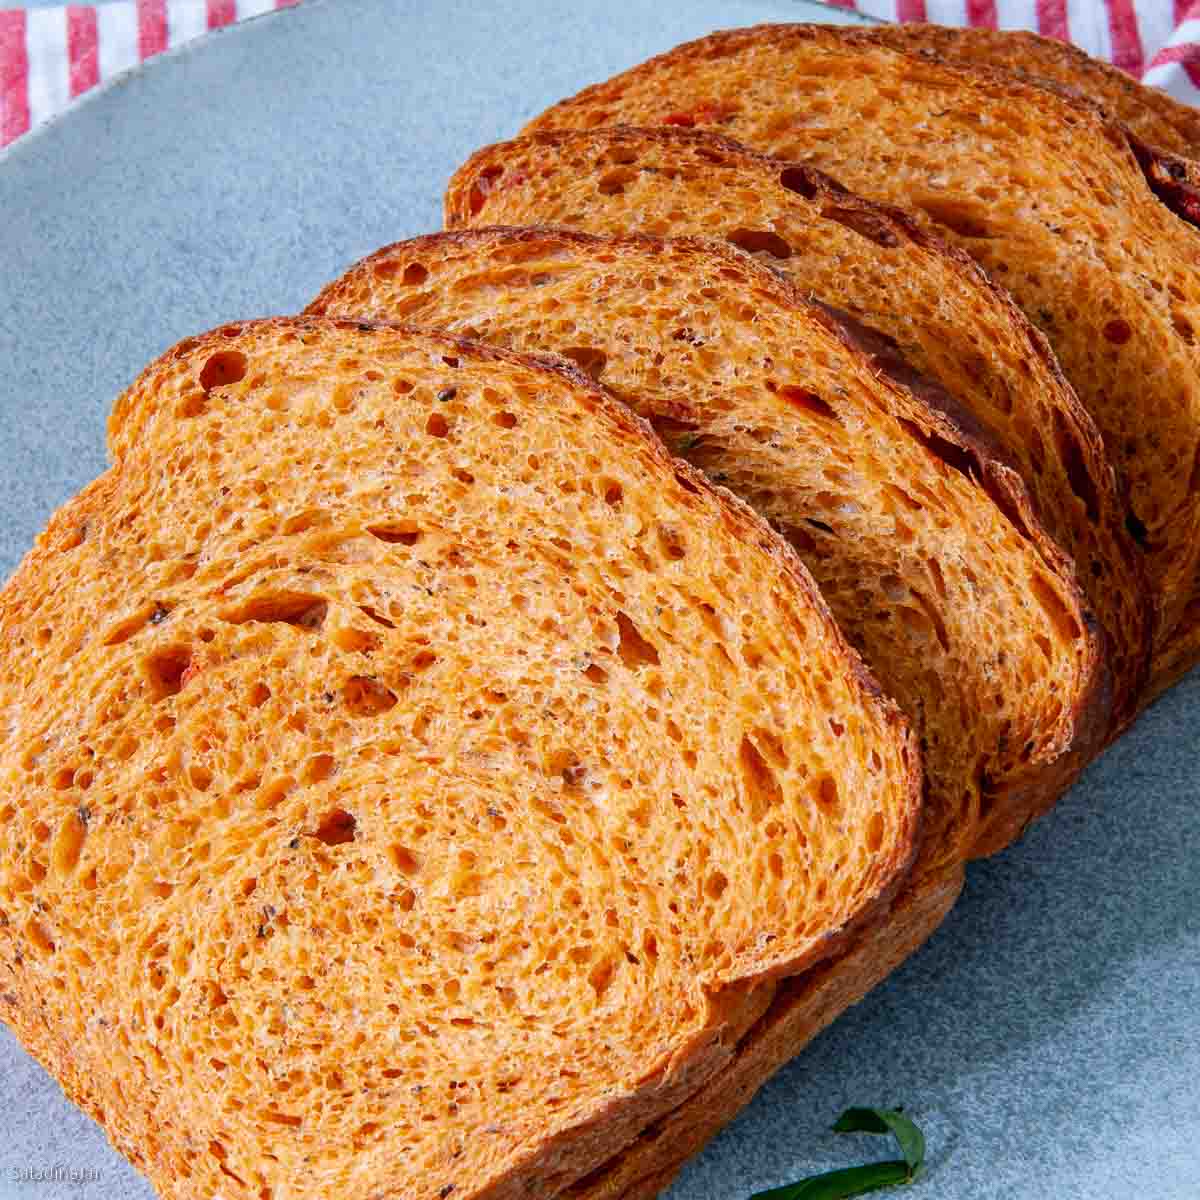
(881, 266)
(1042, 190)
(919, 531)
(412, 778)
(801, 1009)
(689, 332)
(1154, 118)
(1149, 113)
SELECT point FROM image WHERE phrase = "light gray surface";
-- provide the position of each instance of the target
(1046, 1038)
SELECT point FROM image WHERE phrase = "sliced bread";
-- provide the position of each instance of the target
(911, 517)
(1043, 190)
(800, 1009)
(1149, 113)
(1161, 123)
(412, 778)
(950, 321)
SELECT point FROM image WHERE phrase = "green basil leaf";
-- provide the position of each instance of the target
(887, 1120)
(872, 1177)
(839, 1185)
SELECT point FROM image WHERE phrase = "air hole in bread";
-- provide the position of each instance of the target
(633, 649)
(955, 457)
(318, 768)
(415, 274)
(301, 609)
(672, 430)
(337, 828)
(1078, 475)
(376, 616)
(715, 885)
(600, 976)
(870, 225)
(807, 401)
(484, 182)
(165, 670)
(37, 937)
(406, 861)
(760, 241)
(588, 359)
(223, 368)
(68, 845)
(364, 696)
(762, 788)
(124, 630)
(613, 182)
(437, 426)
(404, 533)
(611, 491)
(875, 832)
(1118, 332)
(259, 695)
(827, 793)
(798, 180)
(671, 542)
(309, 519)
(957, 216)
(1052, 604)
(355, 641)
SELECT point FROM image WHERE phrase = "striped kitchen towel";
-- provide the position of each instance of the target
(48, 56)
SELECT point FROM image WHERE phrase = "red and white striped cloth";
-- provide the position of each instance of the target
(48, 56)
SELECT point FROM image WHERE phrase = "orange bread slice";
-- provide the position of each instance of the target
(412, 778)
(1043, 190)
(917, 528)
(801, 1008)
(1149, 113)
(880, 265)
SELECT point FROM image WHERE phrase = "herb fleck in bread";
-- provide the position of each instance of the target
(919, 532)
(412, 779)
(1043, 191)
(950, 321)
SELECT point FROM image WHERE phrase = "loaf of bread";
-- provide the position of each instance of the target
(917, 528)
(950, 321)
(1043, 190)
(413, 780)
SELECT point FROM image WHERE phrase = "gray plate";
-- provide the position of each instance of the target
(1047, 1038)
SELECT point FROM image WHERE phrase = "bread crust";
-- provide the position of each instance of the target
(515, 177)
(688, 80)
(168, 1131)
